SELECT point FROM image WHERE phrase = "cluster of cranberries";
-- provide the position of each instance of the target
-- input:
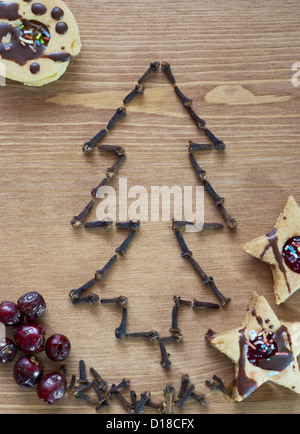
(29, 338)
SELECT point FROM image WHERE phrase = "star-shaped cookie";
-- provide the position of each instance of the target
(263, 349)
(281, 249)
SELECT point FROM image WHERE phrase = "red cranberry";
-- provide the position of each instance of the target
(28, 371)
(32, 305)
(10, 314)
(8, 350)
(30, 338)
(52, 387)
(58, 347)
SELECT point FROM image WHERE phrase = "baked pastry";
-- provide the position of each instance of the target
(38, 40)
(263, 349)
(281, 249)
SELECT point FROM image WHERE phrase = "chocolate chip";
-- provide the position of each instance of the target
(38, 9)
(34, 68)
(61, 28)
(57, 14)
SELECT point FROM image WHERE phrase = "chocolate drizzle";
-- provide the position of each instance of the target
(9, 11)
(59, 57)
(258, 318)
(273, 242)
(245, 386)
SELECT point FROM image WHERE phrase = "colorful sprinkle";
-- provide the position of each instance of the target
(250, 345)
(291, 249)
(27, 41)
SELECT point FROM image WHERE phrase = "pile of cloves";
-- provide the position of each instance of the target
(103, 394)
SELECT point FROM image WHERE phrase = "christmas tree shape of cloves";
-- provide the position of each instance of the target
(133, 225)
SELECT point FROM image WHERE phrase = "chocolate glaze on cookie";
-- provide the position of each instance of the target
(273, 243)
(14, 50)
(18, 51)
(9, 11)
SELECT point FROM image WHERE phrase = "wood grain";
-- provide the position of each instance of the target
(234, 59)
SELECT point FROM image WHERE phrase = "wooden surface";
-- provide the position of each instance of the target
(234, 59)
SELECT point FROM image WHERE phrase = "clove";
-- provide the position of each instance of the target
(78, 220)
(186, 253)
(120, 331)
(76, 293)
(224, 300)
(205, 279)
(231, 222)
(198, 147)
(179, 224)
(114, 388)
(217, 199)
(118, 150)
(166, 67)
(198, 121)
(219, 144)
(91, 299)
(100, 274)
(121, 300)
(100, 381)
(185, 396)
(90, 145)
(128, 407)
(82, 373)
(184, 99)
(133, 224)
(105, 224)
(145, 397)
(120, 113)
(198, 304)
(161, 407)
(138, 90)
(165, 362)
(154, 67)
(185, 379)
(111, 172)
(124, 246)
(200, 173)
(219, 385)
(102, 184)
(202, 399)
